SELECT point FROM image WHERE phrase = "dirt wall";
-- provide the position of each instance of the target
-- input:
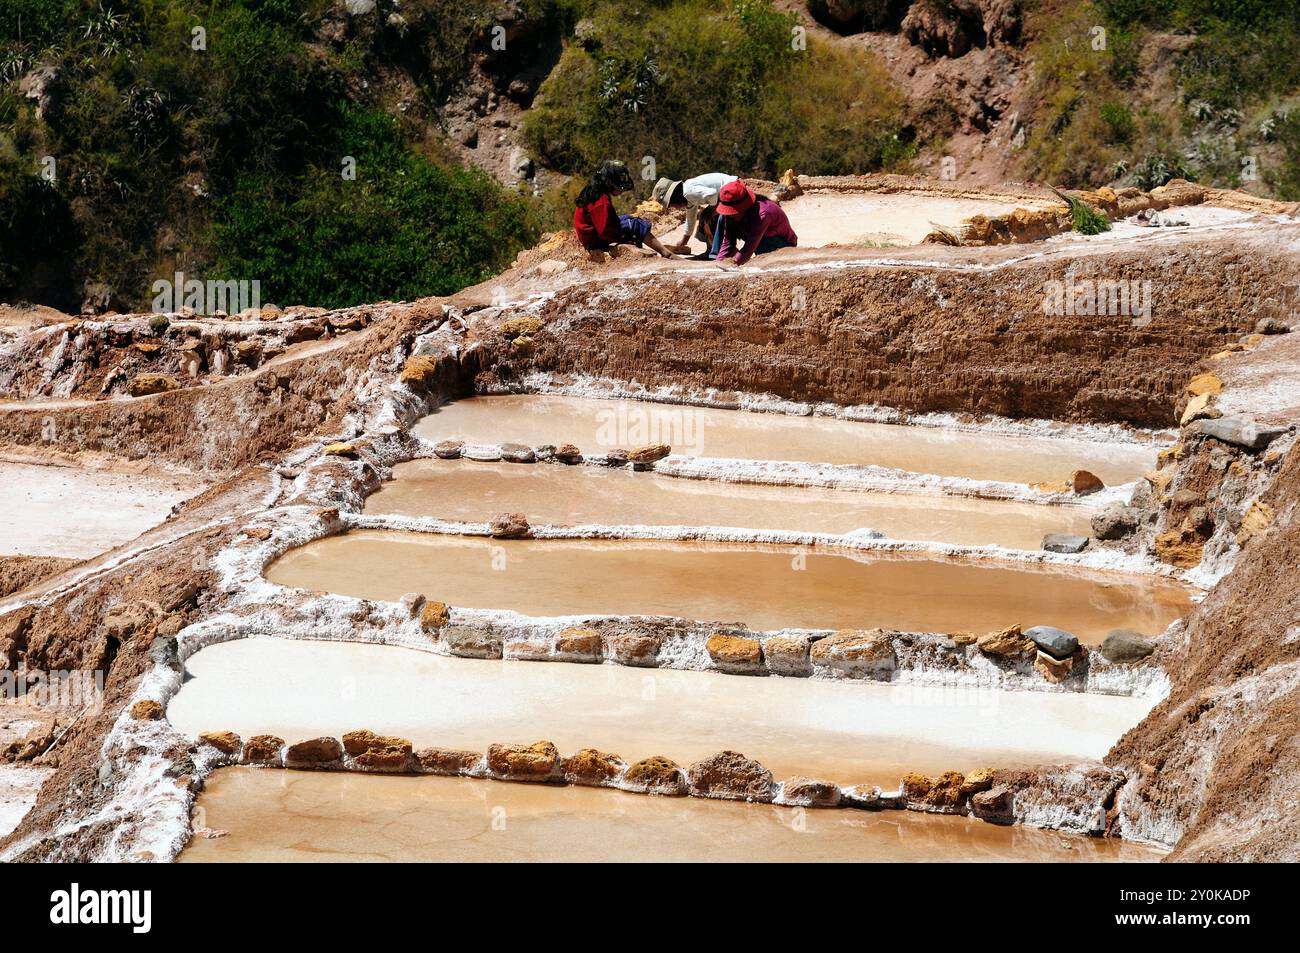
(969, 335)
(1218, 762)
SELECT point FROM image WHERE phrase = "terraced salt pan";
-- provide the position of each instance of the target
(19, 785)
(319, 817)
(763, 586)
(880, 219)
(597, 426)
(847, 732)
(463, 491)
(66, 511)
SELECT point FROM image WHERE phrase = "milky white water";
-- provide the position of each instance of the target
(461, 490)
(764, 586)
(597, 426)
(847, 732)
(318, 817)
(878, 218)
(66, 511)
(19, 785)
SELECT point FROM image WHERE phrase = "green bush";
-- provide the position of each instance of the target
(1119, 122)
(174, 158)
(1157, 169)
(701, 86)
(1284, 176)
(1092, 121)
(404, 228)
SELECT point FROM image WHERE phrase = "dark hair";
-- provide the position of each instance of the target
(678, 195)
(612, 176)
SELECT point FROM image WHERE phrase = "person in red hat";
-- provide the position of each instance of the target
(756, 220)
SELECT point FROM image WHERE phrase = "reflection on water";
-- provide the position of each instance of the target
(316, 817)
(851, 732)
(597, 426)
(765, 587)
(475, 492)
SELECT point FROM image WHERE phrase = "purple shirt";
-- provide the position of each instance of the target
(767, 218)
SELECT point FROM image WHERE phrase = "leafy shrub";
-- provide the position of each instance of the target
(701, 86)
(1284, 177)
(1119, 122)
(1084, 219)
(404, 228)
(1157, 169)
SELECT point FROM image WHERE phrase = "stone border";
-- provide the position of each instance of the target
(1081, 796)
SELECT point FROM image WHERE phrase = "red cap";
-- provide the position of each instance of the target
(735, 198)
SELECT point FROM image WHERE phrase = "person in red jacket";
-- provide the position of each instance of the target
(756, 220)
(598, 226)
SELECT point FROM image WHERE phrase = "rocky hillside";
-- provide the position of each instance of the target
(348, 151)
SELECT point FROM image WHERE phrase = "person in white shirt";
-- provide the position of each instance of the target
(697, 195)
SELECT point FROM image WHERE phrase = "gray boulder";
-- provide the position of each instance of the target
(1064, 543)
(1239, 431)
(517, 453)
(1125, 645)
(1116, 521)
(1055, 642)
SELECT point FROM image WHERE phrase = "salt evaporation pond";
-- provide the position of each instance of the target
(462, 490)
(766, 587)
(318, 817)
(598, 426)
(847, 731)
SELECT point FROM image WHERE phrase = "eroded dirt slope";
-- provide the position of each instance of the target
(961, 333)
(1218, 762)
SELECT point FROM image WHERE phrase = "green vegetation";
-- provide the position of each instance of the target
(405, 227)
(702, 85)
(1197, 89)
(226, 160)
(1084, 219)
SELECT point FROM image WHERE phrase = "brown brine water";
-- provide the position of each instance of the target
(320, 817)
(597, 426)
(764, 587)
(462, 490)
(850, 732)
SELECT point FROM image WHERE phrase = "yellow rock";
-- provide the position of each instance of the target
(1160, 479)
(1179, 548)
(1085, 481)
(734, 650)
(1207, 383)
(434, 616)
(146, 710)
(978, 780)
(1256, 522)
(339, 450)
(418, 369)
(1168, 455)
(524, 324)
(1202, 405)
(142, 385)
(1010, 641)
(227, 742)
(1055, 486)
